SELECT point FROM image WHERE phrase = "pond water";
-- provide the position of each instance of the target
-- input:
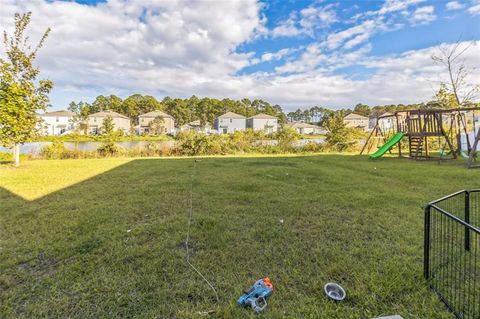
(34, 148)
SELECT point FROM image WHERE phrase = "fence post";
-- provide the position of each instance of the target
(467, 220)
(426, 245)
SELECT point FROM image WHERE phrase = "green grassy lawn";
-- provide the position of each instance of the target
(66, 249)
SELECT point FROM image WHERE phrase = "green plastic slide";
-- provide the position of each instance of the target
(387, 146)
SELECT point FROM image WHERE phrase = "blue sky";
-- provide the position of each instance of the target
(294, 53)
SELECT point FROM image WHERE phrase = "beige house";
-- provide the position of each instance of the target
(356, 120)
(306, 128)
(95, 122)
(145, 119)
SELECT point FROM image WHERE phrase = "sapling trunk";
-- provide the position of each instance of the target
(16, 155)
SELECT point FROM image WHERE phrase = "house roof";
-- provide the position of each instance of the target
(263, 116)
(57, 113)
(303, 125)
(232, 115)
(156, 114)
(355, 116)
(108, 113)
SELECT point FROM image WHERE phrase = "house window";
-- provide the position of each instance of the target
(230, 120)
(94, 119)
(57, 119)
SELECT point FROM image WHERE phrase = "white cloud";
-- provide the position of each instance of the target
(280, 54)
(423, 15)
(475, 9)
(363, 31)
(129, 45)
(315, 17)
(410, 77)
(309, 60)
(397, 5)
(306, 21)
(287, 28)
(454, 5)
(386, 19)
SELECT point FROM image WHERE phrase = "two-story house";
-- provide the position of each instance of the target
(144, 121)
(95, 122)
(56, 123)
(229, 123)
(263, 122)
(356, 121)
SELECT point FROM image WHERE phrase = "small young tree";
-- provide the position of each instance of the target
(338, 136)
(459, 90)
(107, 126)
(458, 84)
(21, 95)
(157, 126)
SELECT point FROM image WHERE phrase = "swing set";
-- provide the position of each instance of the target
(426, 134)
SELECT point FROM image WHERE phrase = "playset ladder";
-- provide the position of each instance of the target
(416, 146)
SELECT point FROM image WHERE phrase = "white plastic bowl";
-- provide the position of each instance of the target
(335, 291)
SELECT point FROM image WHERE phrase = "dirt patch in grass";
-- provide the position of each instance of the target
(40, 266)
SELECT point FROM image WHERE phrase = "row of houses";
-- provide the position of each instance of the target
(63, 122)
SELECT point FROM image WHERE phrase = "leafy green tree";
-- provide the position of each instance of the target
(137, 104)
(107, 126)
(115, 103)
(157, 126)
(21, 95)
(178, 108)
(444, 99)
(362, 109)
(82, 110)
(338, 137)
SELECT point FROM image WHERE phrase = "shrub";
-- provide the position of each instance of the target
(286, 137)
(195, 144)
(108, 149)
(53, 151)
(339, 137)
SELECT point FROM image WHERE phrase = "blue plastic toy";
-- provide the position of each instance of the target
(256, 296)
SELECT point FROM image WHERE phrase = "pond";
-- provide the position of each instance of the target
(34, 148)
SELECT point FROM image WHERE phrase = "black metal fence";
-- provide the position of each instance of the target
(452, 251)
